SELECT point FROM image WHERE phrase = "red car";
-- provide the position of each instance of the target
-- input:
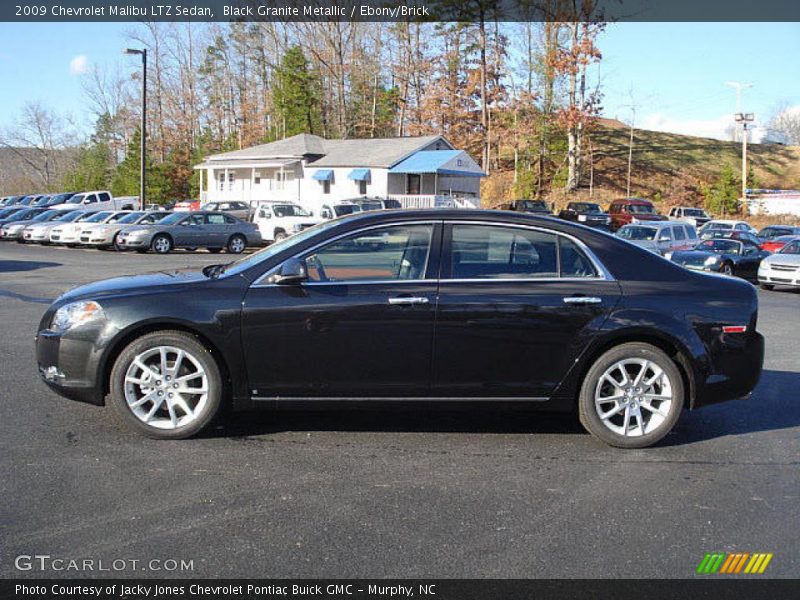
(632, 210)
(187, 205)
(777, 243)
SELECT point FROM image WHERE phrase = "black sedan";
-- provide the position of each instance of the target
(481, 306)
(730, 256)
(586, 213)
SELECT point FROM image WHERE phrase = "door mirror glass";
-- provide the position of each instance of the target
(291, 272)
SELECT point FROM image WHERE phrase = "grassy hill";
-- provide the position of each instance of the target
(668, 168)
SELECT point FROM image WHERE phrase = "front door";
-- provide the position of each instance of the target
(516, 307)
(360, 326)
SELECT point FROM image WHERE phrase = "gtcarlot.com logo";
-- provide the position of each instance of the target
(734, 563)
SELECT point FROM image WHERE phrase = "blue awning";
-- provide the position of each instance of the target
(443, 162)
(323, 175)
(359, 175)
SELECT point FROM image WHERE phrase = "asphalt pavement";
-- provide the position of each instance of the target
(383, 493)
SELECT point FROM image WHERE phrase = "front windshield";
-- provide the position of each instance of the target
(371, 206)
(533, 204)
(85, 217)
(346, 209)
(720, 246)
(792, 248)
(693, 212)
(76, 199)
(130, 217)
(46, 215)
(638, 233)
(173, 218)
(718, 225)
(60, 198)
(585, 207)
(9, 211)
(118, 217)
(42, 201)
(255, 258)
(156, 217)
(25, 214)
(641, 209)
(101, 216)
(70, 216)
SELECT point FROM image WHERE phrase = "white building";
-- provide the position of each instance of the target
(773, 202)
(420, 172)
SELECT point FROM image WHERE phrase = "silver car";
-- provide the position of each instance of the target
(104, 235)
(240, 210)
(14, 229)
(660, 236)
(40, 232)
(199, 229)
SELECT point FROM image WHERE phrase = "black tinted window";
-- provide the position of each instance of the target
(486, 252)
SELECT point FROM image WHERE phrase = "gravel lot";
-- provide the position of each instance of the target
(385, 493)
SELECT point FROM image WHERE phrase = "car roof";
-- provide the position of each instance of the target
(658, 224)
(631, 201)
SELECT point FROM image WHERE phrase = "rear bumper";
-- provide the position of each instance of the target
(737, 362)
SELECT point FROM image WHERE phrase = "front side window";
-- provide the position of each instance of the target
(393, 253)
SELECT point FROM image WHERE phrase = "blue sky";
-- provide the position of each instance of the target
(674, 72)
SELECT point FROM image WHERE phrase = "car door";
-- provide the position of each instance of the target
(216, 230)
(361, 325)
(750, 259)
(516, 307)
(186, 232)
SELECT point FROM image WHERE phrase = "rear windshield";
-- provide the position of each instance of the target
(585, 207)
(693, 212)
(641, 209)
(346, 209)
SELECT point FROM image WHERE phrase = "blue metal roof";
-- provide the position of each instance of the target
(433, 161)
(323, 175)
(359, 175)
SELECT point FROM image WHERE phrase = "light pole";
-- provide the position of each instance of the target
(143, 136)
(744, 119)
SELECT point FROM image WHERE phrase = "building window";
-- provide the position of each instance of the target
(221, 182)
(256, 178)
(413, 185)
(362, 187)
(231, 180)
(326, 187)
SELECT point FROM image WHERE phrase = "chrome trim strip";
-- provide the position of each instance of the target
(401, 398)
(605, 275)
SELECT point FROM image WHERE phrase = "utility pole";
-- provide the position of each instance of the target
(744, 119)
(143, 145)
(738, 87)
(630, 151)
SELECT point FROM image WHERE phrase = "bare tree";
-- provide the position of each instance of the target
(784, 125)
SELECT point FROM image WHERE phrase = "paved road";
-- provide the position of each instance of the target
(386, 493)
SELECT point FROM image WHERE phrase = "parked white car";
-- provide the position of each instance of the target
(40, 232)
(781, 268)
(100, 200)
(279, 220)
(104, 235)
(688, 214)
(727, 224)
(334, 210)
(69, 234)
(660, 236)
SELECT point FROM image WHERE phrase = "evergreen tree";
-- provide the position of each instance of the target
(296, 95)
(722, 196)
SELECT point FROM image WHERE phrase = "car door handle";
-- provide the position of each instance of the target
(582, 300)
(408, 300)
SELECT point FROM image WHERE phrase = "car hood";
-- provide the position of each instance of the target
(14, 223)
(783, 259)
(138, 230)
(694, 257)
(133, 283)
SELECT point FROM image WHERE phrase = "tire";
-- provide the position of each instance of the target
(161, 244)
(215, 250)
(166, 420)
(767, 286)
(236, 244)
(280, 234)
(655, 423)
(115, 244)
(727, 269)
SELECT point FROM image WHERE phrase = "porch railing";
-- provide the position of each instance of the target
(434, 201)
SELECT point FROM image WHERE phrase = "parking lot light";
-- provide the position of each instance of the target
(143, 141)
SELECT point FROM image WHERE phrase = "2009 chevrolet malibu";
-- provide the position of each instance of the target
(414, 305)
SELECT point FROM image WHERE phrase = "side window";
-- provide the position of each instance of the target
(392, 253)
(741, 227)
(679, 233)
(229, 219)
(105, 197)
(574, 262)
(90, 199)
(665, 234)
(215, 219)
(264, 213)
(197, 220)
(488, 252)
(750, 249)
(692, 233)
(326, 213)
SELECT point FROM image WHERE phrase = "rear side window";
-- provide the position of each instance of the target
(680, 233)
(215, 219)
(690, 231)
(491, 252)
(104, 197)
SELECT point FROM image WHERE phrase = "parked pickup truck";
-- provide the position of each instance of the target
(100, 200)
(696, 216)
(278, 220)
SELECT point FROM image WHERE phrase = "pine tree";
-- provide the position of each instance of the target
(296, 97)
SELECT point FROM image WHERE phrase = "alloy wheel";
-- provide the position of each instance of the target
(236, 245)
(166, 387)
(633, 397)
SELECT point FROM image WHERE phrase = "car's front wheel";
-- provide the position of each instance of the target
(631, 396)
(727, 269)
(161, 244)
(166, 385)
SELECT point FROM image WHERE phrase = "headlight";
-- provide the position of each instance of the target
(634, 221)
(668, 255)
(297, 227)
(581, 217)
(75, 313)
(711, 260)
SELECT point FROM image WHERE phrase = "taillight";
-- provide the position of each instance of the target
(734, 329)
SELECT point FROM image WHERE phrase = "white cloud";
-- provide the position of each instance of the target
(719, 128)
(79, 65)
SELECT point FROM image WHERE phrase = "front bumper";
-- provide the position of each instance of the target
(776, 277)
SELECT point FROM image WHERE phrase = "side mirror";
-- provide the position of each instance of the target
(292, 272)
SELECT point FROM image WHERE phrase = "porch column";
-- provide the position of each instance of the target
(225, 181)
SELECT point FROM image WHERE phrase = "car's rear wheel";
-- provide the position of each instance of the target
(631, 396)
(166, 385)
(727, 269)
(236, 244)
(280, 234)
(161, 244)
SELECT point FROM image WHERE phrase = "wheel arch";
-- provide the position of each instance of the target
(141, 329)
